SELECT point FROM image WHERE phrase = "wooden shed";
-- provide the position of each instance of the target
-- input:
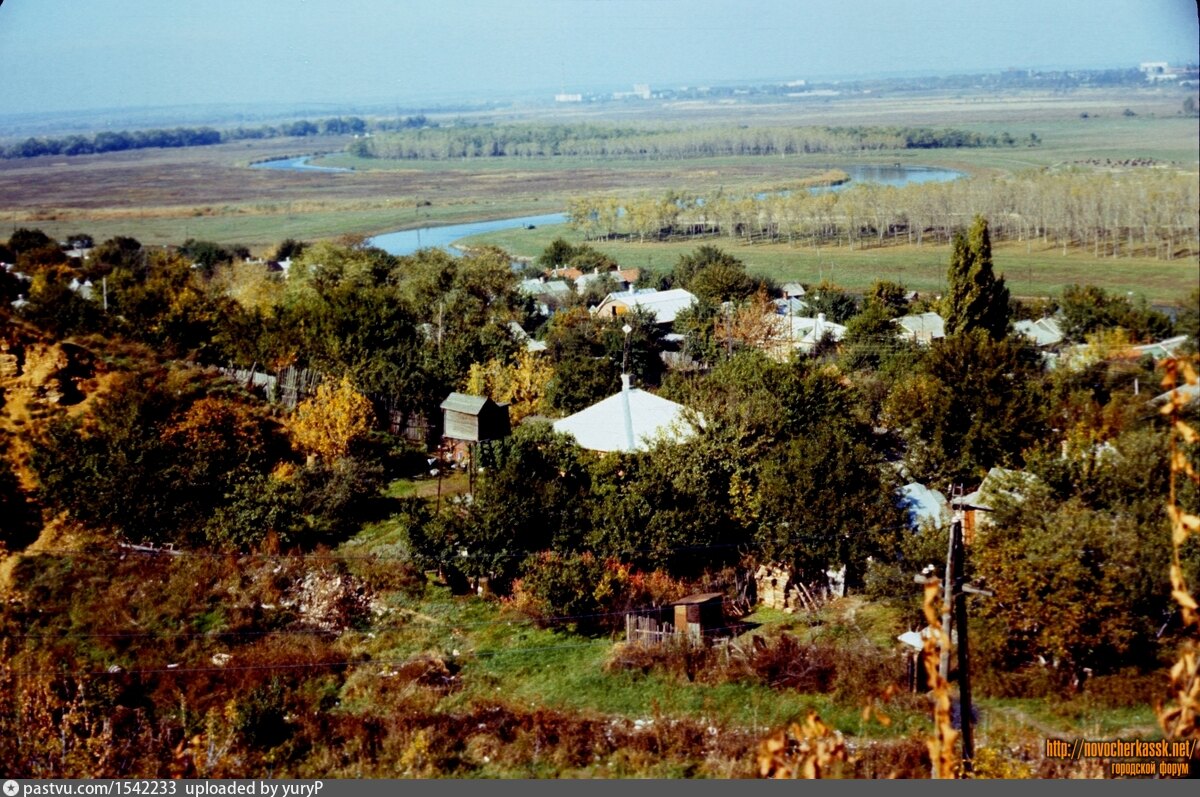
(474, 419)
(699, 614)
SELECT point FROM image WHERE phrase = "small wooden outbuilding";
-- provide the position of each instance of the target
(694, 620)
(699, 614)
(474, 419)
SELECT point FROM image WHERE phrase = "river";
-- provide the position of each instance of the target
(405, 242)
(297, 164)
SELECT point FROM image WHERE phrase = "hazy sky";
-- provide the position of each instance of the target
(74, 54)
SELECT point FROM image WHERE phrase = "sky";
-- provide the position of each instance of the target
(64, 55)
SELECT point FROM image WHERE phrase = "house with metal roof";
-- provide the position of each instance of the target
(543, 287)
(924, 328)
(665, 305)
(1043, 332)
(632, 420)
(923, 506)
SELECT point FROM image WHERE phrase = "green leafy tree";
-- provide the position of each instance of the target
(118, 252)
(155, 459)
(869, 337)
(25, 239)
(557, 254)
(835, 302)
(289, 248)
(888, 296)
(206, 254)
(59, 310)
(588, 354)
(1188, 322)
(531, 497)
(825, 502)
(971, 403)
(587, 259)
(1088, 308)
(976, 298)
(713, 274)
(1076, 561)
(167, 304)
(667, 508)
(698, 325)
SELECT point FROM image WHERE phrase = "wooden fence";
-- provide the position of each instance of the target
(289, 386)
(645, 630)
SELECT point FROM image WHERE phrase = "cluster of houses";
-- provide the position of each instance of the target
(636, 420)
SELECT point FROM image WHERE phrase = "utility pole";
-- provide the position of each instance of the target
(948, 590)
(964, 655)
(956, 590)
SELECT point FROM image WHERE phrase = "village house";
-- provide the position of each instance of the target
(924, 328)
(805, 333)
(1043, 332)
(665, 305)
(632, 420)
(978, 505)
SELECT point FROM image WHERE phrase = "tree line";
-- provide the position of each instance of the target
(118, 141)
(611, 141)
(1141, 211)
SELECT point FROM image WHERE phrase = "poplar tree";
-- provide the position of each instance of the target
(977, 299)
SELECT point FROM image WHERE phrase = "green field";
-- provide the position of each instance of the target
(1033, 270)
(167, 196)
(1162, 138)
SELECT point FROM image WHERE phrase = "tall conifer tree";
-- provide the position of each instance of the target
(977, 299)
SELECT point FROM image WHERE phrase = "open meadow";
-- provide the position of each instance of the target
(1031, 269)
(163, 196)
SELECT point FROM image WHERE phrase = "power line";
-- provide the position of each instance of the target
(129, 551)
(552, 620)
(325, 664)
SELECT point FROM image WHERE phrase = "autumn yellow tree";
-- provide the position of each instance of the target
(328, 424)
(755, 324)
(521, 384)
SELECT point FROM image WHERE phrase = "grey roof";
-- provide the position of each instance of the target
(922, 326)
(537, 287)
(603, 426)
(1188, 393)
(1043, 332)
(1163, 348)
(664, 304)
(998, 482)
(699, 597)
(792, 289)
(922, 504)
(793, 306)
(462, 402)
